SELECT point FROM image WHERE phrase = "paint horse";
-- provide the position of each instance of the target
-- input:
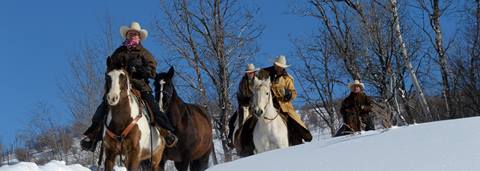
(192, 126)
(270, 131)
(127, 129)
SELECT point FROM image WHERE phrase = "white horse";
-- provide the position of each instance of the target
(127, 130)
(270, 132)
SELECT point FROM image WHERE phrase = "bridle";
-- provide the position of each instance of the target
(269, 101)
(163, 92)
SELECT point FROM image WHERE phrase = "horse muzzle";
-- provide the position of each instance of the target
(258, 112)
(113, 99)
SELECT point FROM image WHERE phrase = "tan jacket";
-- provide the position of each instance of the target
(279, 84)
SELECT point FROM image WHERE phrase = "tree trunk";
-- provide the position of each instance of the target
(413, 75)
(442, 56)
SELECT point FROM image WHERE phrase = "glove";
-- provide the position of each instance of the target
(135, 65)
(288, 95)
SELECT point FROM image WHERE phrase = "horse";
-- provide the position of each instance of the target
(127, 131)
(193, 126)
(270, 131)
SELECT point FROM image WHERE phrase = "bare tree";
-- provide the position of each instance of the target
(466, 65)
(215, 38)
(407, 62)
(436, 9)
(336, 22)
(319, 75)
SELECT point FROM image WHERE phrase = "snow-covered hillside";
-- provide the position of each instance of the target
(452, 145)
(51, 166)
(447, 145)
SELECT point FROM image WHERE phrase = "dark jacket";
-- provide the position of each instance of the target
(244, 94)
(137, 61)
(355, 109)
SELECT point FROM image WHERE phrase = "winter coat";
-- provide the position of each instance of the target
(138, 62)
(244, 94)
(281, 84)
(355, 110)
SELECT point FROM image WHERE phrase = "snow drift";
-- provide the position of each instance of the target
(445, 145)
(51, 166)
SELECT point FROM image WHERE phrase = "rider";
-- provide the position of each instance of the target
(244, 96)
(284, 93)
(356, 109)
(141, 65)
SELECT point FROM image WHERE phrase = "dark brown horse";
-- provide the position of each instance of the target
(127, 128)
(192, 124)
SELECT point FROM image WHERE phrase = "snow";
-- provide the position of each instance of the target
(445, 145)
(438, 146)
(51, 166)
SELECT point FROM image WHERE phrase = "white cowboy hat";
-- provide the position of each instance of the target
(356, 82)
(136, 27)
(281, 61)
(250, 68)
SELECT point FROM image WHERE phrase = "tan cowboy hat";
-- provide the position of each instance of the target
(136, 27)
(356, 82)
(281, 61)
(251, 68)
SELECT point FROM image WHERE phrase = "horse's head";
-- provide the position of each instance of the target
(117, 85)
(261, 96)
(164, 88)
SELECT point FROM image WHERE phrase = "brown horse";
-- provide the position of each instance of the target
(127, 129)
(192, 125)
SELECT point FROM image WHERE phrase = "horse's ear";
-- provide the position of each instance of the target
(171, 71)
(109, 61)
(267, 81)
(255, 82)
(157, 75)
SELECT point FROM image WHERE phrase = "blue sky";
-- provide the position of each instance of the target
(38, 38)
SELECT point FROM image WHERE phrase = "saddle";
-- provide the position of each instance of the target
(244, 135)
(143, 106)
(147, 110)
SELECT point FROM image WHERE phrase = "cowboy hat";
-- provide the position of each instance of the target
(281, 61)
(136, 27)
(250, 68)
(356, 82)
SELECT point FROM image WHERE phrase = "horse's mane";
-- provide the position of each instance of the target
(261, 82)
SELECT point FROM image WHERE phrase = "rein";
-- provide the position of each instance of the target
(270, 101)
(120, 138)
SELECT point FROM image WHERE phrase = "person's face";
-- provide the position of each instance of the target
(278, 69)
(250, 75)
(356, 89)
(133, 35)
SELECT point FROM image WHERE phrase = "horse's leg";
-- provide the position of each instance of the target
(201, 163)
(163, 162)
(109, 159)
(281, 134)
(157, 160)
(133, 160)
(182, 165)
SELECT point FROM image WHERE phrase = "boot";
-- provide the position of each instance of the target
(161, 119)
(94, 132)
